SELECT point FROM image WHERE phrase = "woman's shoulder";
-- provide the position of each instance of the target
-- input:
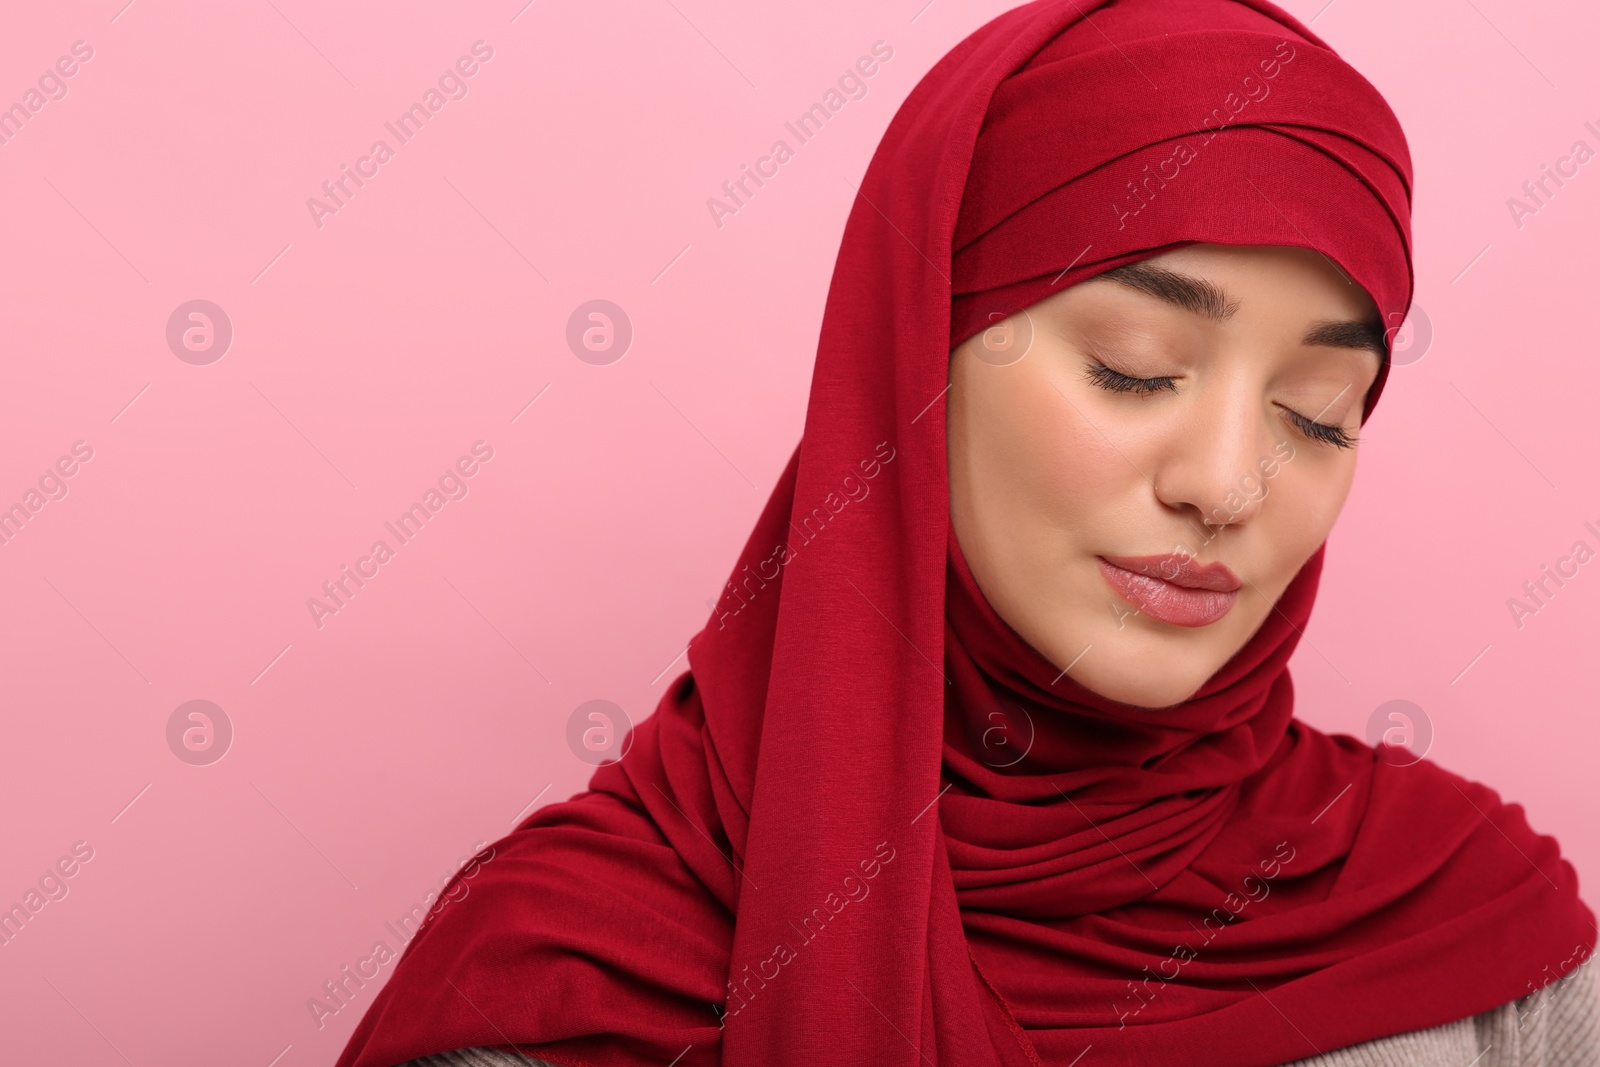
(1556, 1026)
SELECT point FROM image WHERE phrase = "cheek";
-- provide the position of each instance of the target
(1302, 505)
(1064, 468)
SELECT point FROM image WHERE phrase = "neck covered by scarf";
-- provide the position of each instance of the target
(871, 825)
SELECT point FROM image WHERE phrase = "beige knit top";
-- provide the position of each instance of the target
(1557, 1026)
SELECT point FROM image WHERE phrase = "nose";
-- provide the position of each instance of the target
(1210, 464)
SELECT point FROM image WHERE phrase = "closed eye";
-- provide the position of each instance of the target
(1117, 382)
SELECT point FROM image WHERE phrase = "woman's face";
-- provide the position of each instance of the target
(1183, 412)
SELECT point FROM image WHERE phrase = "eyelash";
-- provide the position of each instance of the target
(1117, 382)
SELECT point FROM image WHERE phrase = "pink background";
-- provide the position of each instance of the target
(372, 754)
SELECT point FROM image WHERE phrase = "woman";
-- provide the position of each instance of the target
(987, 755)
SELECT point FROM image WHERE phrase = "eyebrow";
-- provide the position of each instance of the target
(1208, 300)
(1347, 334)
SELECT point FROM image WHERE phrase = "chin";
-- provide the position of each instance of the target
(1137, 691)
(1129, 677)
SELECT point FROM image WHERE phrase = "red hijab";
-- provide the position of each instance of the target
(871, 824)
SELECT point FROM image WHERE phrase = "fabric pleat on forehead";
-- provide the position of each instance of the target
(1084, 163)
(870, 825)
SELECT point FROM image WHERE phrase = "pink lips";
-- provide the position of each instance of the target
(1173, 588)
